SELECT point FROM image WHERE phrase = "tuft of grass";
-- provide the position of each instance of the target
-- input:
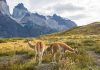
(89, 42)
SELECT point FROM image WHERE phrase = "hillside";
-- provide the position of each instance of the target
(16, 53)
(90, 29)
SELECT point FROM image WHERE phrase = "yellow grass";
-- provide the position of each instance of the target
(78, 61)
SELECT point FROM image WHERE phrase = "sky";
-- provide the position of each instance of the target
(80, 11)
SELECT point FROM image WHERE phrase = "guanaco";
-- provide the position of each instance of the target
(61, 47)
(39, 48)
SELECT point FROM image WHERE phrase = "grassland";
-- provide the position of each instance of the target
(15, 54)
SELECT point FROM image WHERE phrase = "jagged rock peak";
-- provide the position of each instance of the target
(55, 15)
(20, 6)
(3, 0)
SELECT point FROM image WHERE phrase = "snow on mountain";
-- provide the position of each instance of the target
(4, 8)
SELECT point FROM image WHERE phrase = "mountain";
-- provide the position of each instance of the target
(61, 21)
(23, 23)
(9, 27)
(90, 29)
(19, 15)
(55, 23)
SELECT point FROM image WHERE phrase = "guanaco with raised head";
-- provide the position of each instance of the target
(39, 48)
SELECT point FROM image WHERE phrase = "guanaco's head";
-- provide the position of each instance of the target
(76, 50)
(30, 43)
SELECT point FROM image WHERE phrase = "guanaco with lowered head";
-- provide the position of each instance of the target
(61, 47)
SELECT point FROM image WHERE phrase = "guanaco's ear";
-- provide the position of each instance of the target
(32, 43)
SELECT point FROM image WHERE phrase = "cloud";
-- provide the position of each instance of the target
(61, 8)
(78, 16)
(67, 7)
(43, 2)
(80, 11)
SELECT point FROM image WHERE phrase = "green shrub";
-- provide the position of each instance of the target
(2, 41)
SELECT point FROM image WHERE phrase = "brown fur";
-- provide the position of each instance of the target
(60, 45)
(37, 45)
(39, 48)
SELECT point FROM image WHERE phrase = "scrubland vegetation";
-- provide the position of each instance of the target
(15, 53)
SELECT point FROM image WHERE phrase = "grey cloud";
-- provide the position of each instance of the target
(78, 17)
(66, 8)
(43, 2)
(55, 6)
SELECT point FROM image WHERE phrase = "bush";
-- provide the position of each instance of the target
(2, 41)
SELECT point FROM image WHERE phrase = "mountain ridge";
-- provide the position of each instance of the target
(23, 23)
(23, 14)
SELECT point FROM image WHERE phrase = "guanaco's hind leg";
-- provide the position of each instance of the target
(40, 57)
(54, 57)
(61, 52)
(36, 55)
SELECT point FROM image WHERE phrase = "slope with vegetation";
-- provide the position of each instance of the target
(90, 29)
(15, 53)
